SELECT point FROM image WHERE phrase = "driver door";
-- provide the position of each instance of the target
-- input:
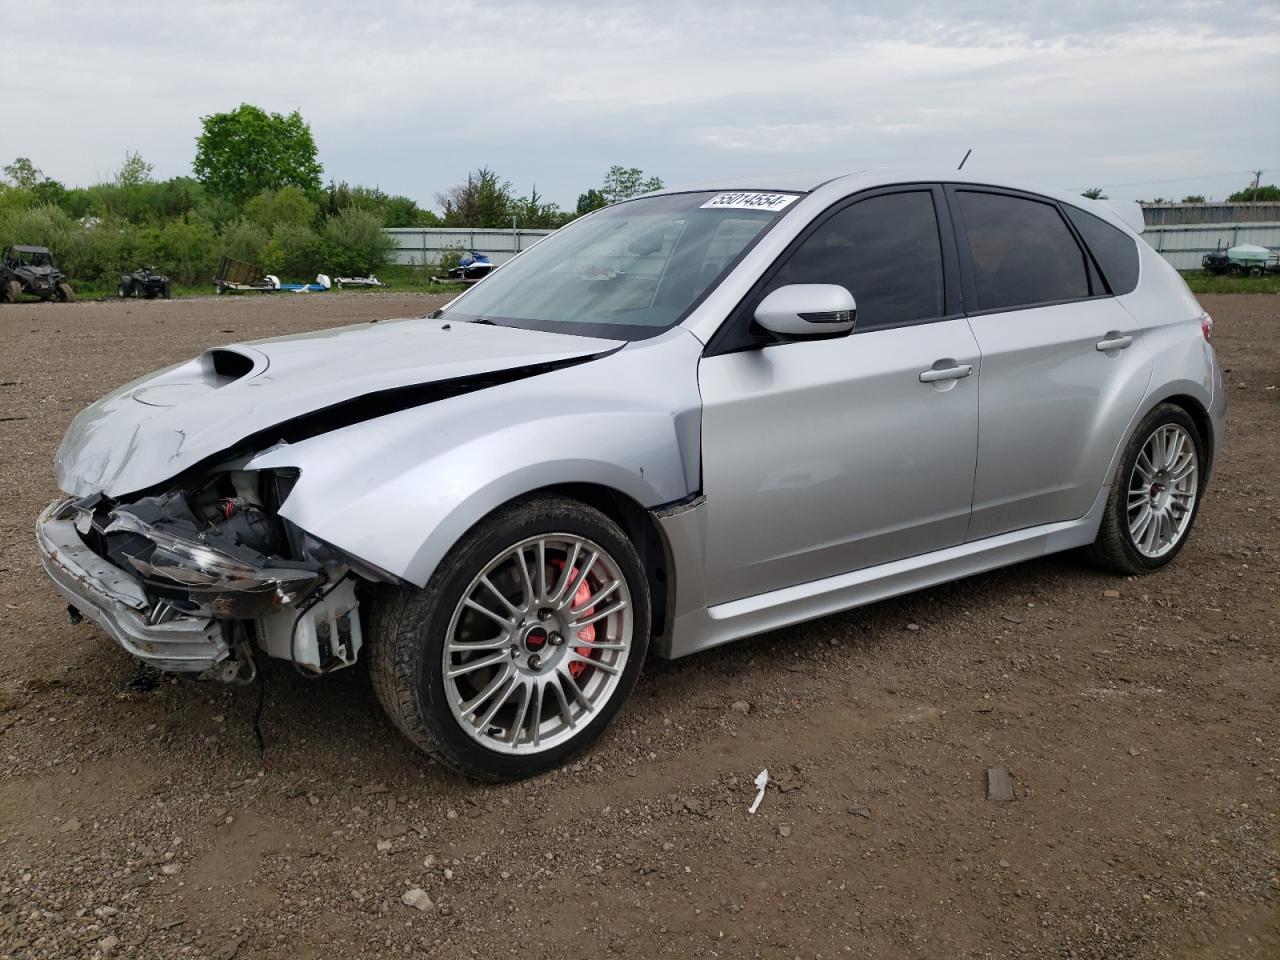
(824, 456)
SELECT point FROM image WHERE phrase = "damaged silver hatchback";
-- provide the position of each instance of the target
(683, 419)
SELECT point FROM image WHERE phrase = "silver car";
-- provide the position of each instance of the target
(683, 419)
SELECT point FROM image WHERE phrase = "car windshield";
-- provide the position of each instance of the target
(628, 271)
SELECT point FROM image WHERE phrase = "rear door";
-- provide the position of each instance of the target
(1063, 366)
(822, 456)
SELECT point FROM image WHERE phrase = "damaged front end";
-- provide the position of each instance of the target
(194, 579)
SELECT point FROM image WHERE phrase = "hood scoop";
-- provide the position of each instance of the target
(228, 365)
(290, 388)
(210, 371)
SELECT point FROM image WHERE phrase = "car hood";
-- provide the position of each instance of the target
(257, 394)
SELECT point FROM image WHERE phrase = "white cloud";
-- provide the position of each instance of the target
(410, 96)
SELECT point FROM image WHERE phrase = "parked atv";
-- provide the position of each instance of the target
(30, 270)
(143, 282)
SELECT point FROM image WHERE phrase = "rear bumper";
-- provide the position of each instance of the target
(115, 601)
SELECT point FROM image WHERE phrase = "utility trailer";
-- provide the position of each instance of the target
(238, 275)
(1244, 259)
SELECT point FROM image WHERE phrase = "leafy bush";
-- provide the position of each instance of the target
(449, 258)
(185, 250)
(293, 252)
(355, 244)
(244, 240)
(288, 205)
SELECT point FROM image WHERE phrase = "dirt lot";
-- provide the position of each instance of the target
(1141, 729)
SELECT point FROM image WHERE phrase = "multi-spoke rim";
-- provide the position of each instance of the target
(538, 644)
(1162, 490)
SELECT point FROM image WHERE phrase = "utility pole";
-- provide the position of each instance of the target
(1257, 178)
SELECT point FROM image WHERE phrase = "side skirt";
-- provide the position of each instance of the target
(698, 627)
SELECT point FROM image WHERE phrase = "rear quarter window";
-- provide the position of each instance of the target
(1022, 252)
(1114, 250)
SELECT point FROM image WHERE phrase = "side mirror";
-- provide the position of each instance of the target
(808, 310)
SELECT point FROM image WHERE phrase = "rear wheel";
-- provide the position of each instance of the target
(1155, 494)
(165, 291)
(13, 291)
(522, 647)
(123, 291)
(65, 293)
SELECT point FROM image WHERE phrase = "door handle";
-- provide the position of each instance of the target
(1113, 340)
(957, 372)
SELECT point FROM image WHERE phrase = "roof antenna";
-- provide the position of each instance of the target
(966, 157)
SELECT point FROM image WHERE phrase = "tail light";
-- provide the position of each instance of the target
(1206, 328)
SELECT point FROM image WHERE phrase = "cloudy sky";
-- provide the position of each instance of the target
(1145, 98)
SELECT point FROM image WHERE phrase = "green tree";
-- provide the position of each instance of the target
(244, 240)
(395, 211)
(241, 153)
(1095, 193)
(483, 201)
(593, 199)
(534, 213)
(286, 205)
(1193, 198)
(1267, 191)
(134, 172)
(23, 173)
(623, 183)
(355, 244)
(293, 253)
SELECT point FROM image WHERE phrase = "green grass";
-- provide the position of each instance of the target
(403, 279)
(407, 279)
(1201, 282)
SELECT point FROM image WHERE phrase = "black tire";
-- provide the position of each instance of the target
(408, 626)
(1114, 548)
(64, 293)
(13, 291)
(1255, 271)
(124, 290)
(166, 292)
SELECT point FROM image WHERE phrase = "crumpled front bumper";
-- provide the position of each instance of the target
(116, 601)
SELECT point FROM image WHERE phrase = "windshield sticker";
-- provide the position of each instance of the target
(749, 201)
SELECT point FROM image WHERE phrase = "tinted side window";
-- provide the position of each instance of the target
(1114, 250)
(1022, 251)
(884, 250)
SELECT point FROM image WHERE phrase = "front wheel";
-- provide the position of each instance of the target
(65, 293)
(1155, 494)
(123, 291)
(523, 645)
(13, 291)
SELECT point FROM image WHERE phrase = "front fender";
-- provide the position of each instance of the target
(401, 490)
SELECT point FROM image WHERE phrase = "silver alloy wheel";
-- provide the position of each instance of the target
(538, 643)
(1162, 490)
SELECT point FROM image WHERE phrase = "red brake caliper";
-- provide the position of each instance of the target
(588, 633)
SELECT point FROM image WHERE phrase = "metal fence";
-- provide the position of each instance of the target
(1176, 214)
(1184, 245)
(419, 246)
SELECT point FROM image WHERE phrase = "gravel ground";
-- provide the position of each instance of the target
(1137, 718)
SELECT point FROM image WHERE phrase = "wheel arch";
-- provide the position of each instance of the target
(1189, 395)
(636, 522)
(1199, 415)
